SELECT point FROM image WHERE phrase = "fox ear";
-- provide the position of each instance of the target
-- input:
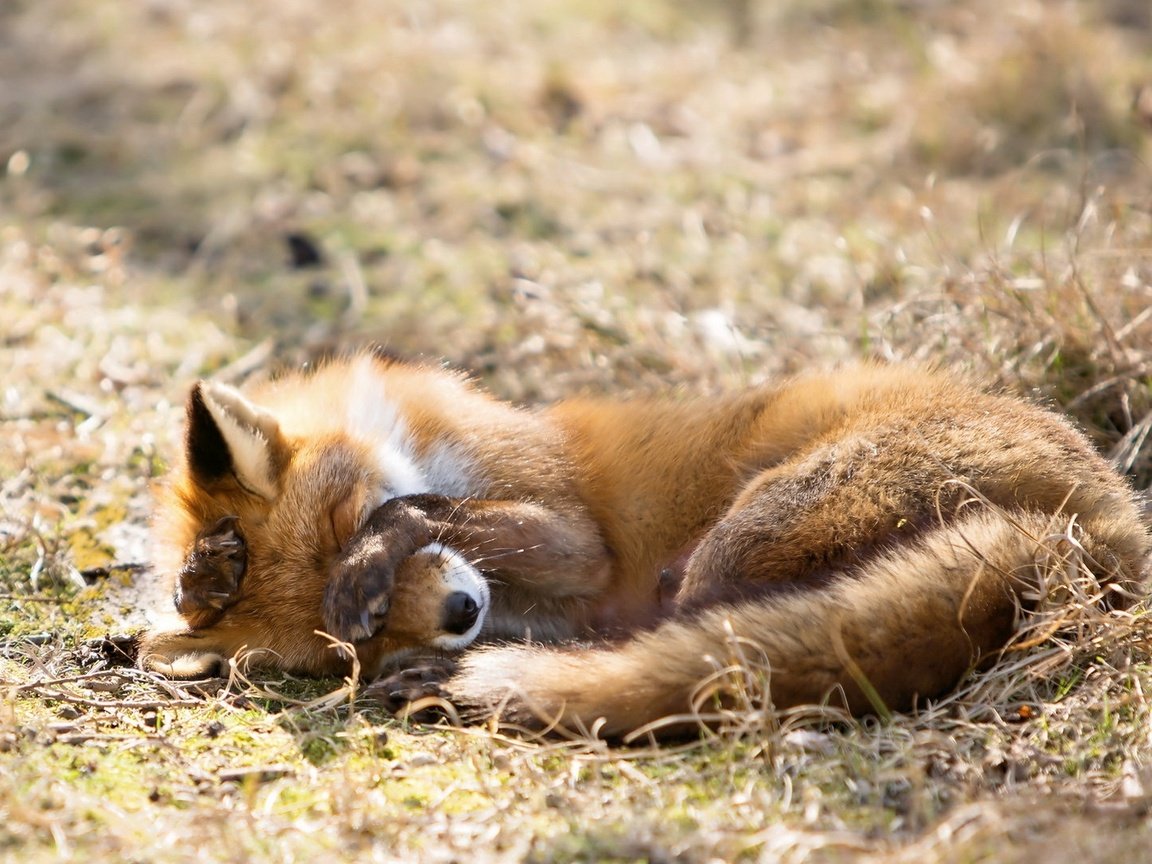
(228, 434)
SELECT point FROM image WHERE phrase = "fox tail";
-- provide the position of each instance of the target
(904, 627)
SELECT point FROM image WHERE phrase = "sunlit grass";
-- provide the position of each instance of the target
(564, 196)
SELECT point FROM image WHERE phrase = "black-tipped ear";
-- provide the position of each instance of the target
(209, 459)
(228, 435)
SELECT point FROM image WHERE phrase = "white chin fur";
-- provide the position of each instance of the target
(459, 575)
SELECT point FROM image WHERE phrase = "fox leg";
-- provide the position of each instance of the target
(810, 520)
(552, 554)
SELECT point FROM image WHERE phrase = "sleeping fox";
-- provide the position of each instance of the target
(872, 534)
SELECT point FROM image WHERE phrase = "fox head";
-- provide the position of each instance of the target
(248, 529)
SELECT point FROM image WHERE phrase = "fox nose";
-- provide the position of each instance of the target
(460, 612)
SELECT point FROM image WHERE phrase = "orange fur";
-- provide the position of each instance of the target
(882, 522)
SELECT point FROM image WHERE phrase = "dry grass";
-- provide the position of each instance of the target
(568, 195)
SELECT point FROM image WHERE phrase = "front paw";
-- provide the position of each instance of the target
(360, 584)
(358, 596)
(209, 581)
(417, 693)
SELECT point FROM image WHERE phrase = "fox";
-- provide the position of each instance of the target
(872, 534)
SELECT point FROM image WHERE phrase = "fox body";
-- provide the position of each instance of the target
(871, 534)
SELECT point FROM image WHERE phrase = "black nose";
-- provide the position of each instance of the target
(460, 612)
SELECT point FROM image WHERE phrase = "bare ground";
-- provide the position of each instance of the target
(565, 196)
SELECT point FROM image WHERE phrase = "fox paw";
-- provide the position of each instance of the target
(417, 693)
(360, 583)
(358, 597)
(209, 581)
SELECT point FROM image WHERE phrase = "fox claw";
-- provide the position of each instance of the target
(218, 599)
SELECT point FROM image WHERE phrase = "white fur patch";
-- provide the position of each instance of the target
(238, 421)
(456, 574)
(449, 472)
(374, 417)
(402, 475)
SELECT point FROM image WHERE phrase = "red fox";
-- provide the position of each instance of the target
(872, 534)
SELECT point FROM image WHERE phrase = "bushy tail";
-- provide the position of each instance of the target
(909, 625)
